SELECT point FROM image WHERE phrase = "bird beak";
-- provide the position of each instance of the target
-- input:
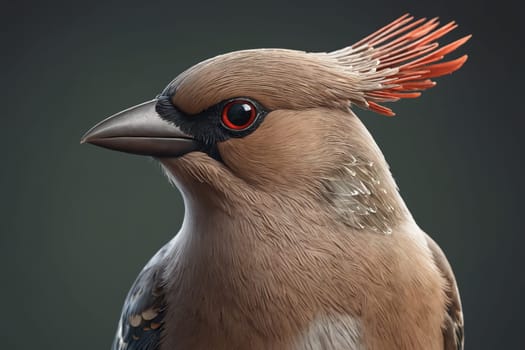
(140, 130)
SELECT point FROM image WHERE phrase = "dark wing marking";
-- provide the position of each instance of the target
(142, 316)
(453, 327)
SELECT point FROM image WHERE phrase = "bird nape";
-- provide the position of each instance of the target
(294, 235)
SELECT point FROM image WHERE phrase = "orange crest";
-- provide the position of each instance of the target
(407, 54)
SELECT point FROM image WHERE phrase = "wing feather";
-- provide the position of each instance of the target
(142, 318)
(453, 329)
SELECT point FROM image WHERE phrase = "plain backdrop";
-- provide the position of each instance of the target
(79, 222)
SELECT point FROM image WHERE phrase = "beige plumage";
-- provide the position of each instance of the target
(295, 236)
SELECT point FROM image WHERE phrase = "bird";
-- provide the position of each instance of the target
(295, 235)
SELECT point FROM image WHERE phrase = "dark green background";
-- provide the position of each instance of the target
(78, 222)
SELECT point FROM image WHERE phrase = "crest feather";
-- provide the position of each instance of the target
(398, 61)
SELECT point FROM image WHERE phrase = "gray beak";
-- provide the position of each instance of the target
(140, 130)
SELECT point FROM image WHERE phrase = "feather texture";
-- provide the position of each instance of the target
(399, 60)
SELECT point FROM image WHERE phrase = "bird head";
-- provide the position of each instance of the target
(278, 121)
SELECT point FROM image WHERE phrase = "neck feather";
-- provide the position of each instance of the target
(362, 191)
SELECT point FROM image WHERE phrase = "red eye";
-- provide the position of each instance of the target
(238, 115)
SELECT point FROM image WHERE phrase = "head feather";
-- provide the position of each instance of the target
(395, 62)
(398, 60)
